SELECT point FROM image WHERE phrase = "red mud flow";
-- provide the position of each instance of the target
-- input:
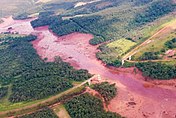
(136, 98)
(20, 26)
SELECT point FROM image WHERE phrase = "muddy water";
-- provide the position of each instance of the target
(153, 102)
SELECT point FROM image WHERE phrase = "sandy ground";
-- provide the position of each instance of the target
(136, 97)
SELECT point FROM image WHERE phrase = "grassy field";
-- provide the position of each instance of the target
(114, 50)
(121, 46)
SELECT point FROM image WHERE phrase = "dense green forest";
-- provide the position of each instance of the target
(171, 44)
(37, 88)
(157, 70)
(3, 92)
(154, 11)
(16, 54)
(43, 113)
(108, 91)
(31, 77)
(91, 24)
(65, 27)
(150, 56)
(87, 106)
(45, 18)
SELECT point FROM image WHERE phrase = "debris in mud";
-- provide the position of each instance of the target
(132, 103)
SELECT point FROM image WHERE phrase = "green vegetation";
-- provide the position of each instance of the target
(59, 5)
(154, 11)
(11, 58)
(157, 70)
(3, 92)
(37, 88)
(109, 60)
(171, 44)
(29, 107)
(45, 18)
(92, 24)
(87, 106)
(43, 113)
(108, 91)
(112, 52)
(150, 56)
(31, 77)
(65, 27)
(94, 7)
(156, 50)
(157, 45)
(105, 24)
(121, 46)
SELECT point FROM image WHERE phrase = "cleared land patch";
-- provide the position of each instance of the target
(61, 111)
(121, 46)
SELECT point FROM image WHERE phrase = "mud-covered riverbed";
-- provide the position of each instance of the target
(136, 98)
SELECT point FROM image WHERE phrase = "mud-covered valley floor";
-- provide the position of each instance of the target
(136, 98)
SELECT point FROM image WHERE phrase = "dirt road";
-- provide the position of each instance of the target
(168, 28)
